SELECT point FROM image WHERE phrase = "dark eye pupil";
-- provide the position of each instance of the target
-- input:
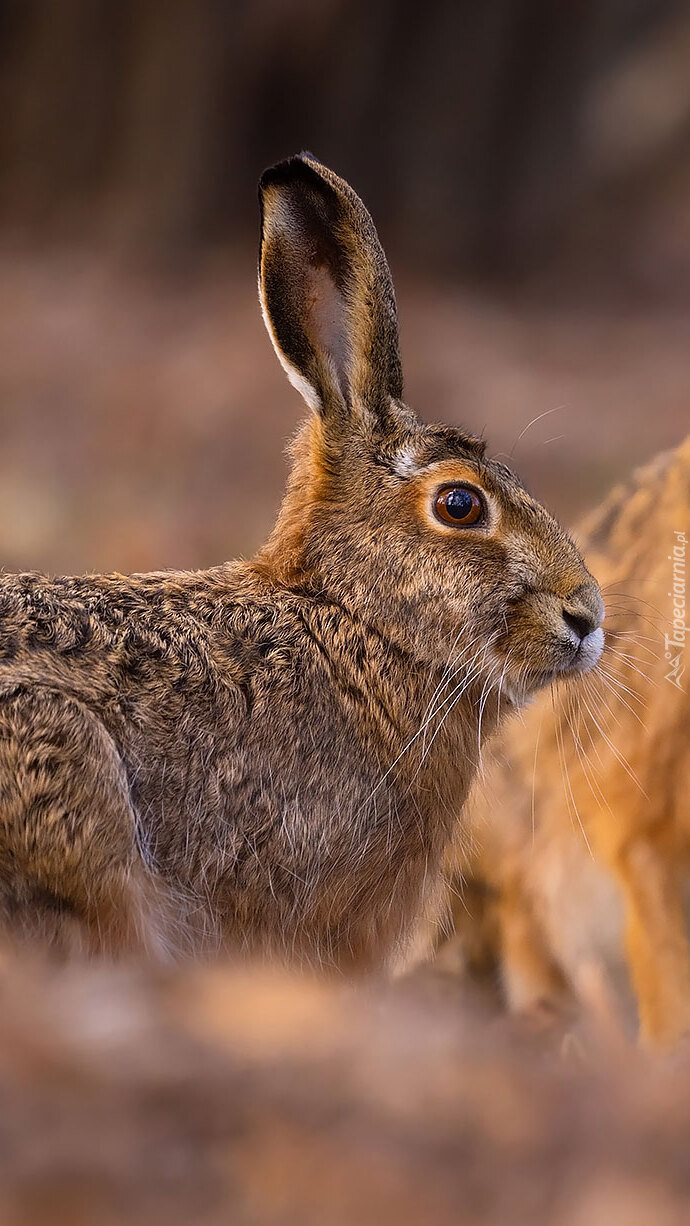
(459, 503)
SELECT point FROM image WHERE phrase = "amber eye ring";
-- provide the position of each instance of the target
(461, 506)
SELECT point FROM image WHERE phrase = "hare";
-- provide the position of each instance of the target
(270, 756)
(584, 828)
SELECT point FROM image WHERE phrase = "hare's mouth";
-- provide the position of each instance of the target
(588, 652)
(571, 660)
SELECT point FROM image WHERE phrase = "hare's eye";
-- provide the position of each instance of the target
(460, 506)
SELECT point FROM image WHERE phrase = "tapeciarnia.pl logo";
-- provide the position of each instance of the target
(675, 642)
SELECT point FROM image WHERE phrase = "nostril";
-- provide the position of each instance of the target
(582, 622)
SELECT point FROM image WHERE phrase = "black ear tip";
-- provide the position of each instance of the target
(301, 166)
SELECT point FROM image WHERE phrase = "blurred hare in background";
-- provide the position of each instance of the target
(271, 755)
(582, 828)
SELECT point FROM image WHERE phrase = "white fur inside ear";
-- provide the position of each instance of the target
(306, 389)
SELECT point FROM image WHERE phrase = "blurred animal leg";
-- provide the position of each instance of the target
(531, 979)
(656, 941)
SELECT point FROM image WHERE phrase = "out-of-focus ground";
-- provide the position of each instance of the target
(213, 1096)
(143, 417)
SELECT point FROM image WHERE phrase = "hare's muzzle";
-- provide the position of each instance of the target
(582, 615)
(550, 636)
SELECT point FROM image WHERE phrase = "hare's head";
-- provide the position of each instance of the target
(409, 526)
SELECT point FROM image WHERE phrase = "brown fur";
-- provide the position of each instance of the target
(221, 758)
(584, 830)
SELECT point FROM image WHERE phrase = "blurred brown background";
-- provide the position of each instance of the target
(528, 166)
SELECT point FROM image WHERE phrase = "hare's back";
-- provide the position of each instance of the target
(162, 661)
(112, 638)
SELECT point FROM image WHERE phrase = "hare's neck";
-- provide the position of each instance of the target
(428, 719)
(451, 720)
(429, 722)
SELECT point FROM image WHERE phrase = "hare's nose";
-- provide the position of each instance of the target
(583, 623)
(584, 615)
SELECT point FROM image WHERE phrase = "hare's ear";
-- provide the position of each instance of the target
(326, 292)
